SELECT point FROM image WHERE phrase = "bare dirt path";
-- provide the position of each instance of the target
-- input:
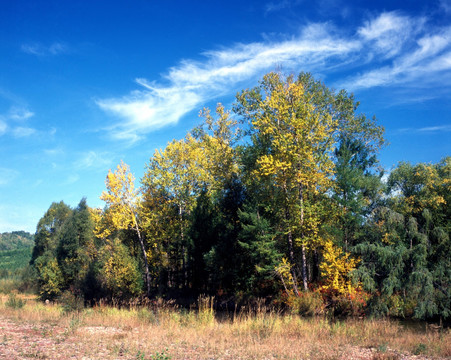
(21, 340)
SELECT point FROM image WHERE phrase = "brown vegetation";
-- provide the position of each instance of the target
(36, 330)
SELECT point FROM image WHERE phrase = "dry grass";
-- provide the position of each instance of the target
(105, 332)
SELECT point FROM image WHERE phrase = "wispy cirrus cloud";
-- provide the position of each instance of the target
(39, 49)
(389, 49)
(427, 129)
(71, 179)
(280, 5)
(387, 33)
(446, 5)
(412, 52)
(187, 86)
(93, 160)
(19, 113)
(3, 127)
(9, 120)
(56, 151)
(21, 131)
(7, 175)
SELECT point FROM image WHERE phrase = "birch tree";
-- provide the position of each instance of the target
(124, 205)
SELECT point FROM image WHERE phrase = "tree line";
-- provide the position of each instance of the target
(15, 240)
(281, 197)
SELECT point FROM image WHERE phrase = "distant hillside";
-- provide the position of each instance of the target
(16, 240)
(13, 260)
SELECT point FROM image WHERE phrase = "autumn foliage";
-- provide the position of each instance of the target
(281, 198)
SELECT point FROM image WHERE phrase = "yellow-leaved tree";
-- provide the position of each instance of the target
(217, 137)
(295, 139)
(175, 176)
(124, 206)
(336, 267)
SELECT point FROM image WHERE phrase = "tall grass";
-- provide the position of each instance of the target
(253, 333)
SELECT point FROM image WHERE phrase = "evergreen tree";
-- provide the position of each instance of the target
(357, 190)
(76, 248)
(203, 238)
(405, 256)
(261, 255)
(225, 258)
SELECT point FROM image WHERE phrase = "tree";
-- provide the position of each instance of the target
(118, 271)
(176, 175)
(357, 189)
(50, 279)
(76, 247)
(298, 144)
(203, 235)
(261, 254)
(295, 125)
(49, 228)
(421, 194)
(405, 254)
(218, 136)
(124, 206)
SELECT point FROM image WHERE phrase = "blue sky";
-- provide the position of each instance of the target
(86, 84)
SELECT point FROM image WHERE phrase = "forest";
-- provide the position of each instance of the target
(280, 198)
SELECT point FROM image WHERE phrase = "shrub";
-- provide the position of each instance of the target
(350, 304)
(419, 349)
(71, 302)
(306, 304)
(14, 301)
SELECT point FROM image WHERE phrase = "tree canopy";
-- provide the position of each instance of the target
(281, 197)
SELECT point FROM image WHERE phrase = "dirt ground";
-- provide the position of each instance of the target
(22, 340)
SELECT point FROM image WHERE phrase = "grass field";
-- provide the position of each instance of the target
(31, 329)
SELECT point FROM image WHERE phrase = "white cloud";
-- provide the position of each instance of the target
(19, 113)
(3, 127)
(446, 5)
(38, 49)
(55, 151)
(442, 128)
(16, 114)
(7, 176)
(394, 48)
(94, 160)
(427, 130)
(388, 32)
(192, 83)
(20, 132)
(427, 58)
(280, 5)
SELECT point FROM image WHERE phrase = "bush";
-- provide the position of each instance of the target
(71, 302)
(351, 304)
(14, 301)
(419, 349)
(306, 304)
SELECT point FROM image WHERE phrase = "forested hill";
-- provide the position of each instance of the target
(16, 240)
